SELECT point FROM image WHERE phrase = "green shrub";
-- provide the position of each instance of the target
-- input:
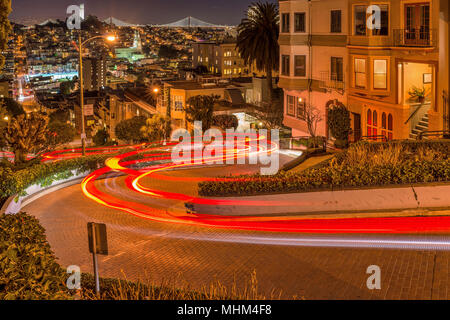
(101, 137)
(28, 268)
(44, 174)
(364, 164)
(339, 124)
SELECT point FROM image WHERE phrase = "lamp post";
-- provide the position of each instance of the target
(81, 43)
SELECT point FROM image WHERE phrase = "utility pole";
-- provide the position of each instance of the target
(83, 129)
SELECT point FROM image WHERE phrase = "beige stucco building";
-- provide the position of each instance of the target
(222, 59)
(313, 58)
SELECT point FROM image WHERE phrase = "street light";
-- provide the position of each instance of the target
(81, 43)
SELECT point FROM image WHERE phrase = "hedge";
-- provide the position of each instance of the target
(28, 268)
(336, 174)
(29, 271)
(44, 174)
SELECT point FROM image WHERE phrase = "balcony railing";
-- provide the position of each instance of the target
(331, 82)
(420, 37)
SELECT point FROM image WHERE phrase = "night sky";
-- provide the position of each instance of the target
(222, 12)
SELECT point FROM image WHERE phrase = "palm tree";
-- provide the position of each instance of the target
(257, 40)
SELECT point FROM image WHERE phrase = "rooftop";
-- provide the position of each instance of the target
(196, 85)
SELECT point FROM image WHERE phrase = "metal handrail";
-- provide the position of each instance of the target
(415, 112)
(425, 37)
(382, 136)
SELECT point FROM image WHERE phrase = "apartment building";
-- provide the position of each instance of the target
(408, 51)
(222, 59)
(176, 94)
(94, 73)
(372, 69)
(313, 59)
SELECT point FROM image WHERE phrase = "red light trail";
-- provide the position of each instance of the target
(395, 225)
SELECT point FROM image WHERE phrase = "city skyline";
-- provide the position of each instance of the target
(143, 12)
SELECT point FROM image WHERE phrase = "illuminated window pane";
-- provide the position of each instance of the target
(380, 74)
(360, 73)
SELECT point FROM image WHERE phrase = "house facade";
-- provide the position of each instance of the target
(222, 59)
(374, 69)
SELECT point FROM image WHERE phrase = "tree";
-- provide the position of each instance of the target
(313, 117)
(92, 23)
(201, 108)
(168, 52)
(5, 27)
(26, 134)
(154, 129)
(14, 108)
(271, 114)
(101, 137)
(60, 133)
(130, 130)
(60, 115)
(257, 39)
(4, 118)
(339, 123)
(66, 87)
(226, 121)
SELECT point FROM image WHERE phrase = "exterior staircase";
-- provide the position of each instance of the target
(420, 127)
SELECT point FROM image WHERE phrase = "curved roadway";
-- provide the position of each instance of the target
(295, 265)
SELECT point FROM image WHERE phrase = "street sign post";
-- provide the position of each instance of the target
(98, 244)
(88, 110)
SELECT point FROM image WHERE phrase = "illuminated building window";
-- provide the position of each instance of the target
(380, 74)
(390, 127)
(360, 73)
(177, 103)
(372, 124)
(387, 126)
(384, 30)
(290, 110)
(361, 17)
(301, 109)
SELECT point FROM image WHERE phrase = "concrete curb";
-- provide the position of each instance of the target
(332, 202)
(15, 203)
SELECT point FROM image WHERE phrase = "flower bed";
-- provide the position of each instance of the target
(362, 165)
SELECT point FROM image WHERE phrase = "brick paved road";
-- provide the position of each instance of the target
(151, 251)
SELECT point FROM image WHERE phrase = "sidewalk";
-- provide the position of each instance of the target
(346, 201)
